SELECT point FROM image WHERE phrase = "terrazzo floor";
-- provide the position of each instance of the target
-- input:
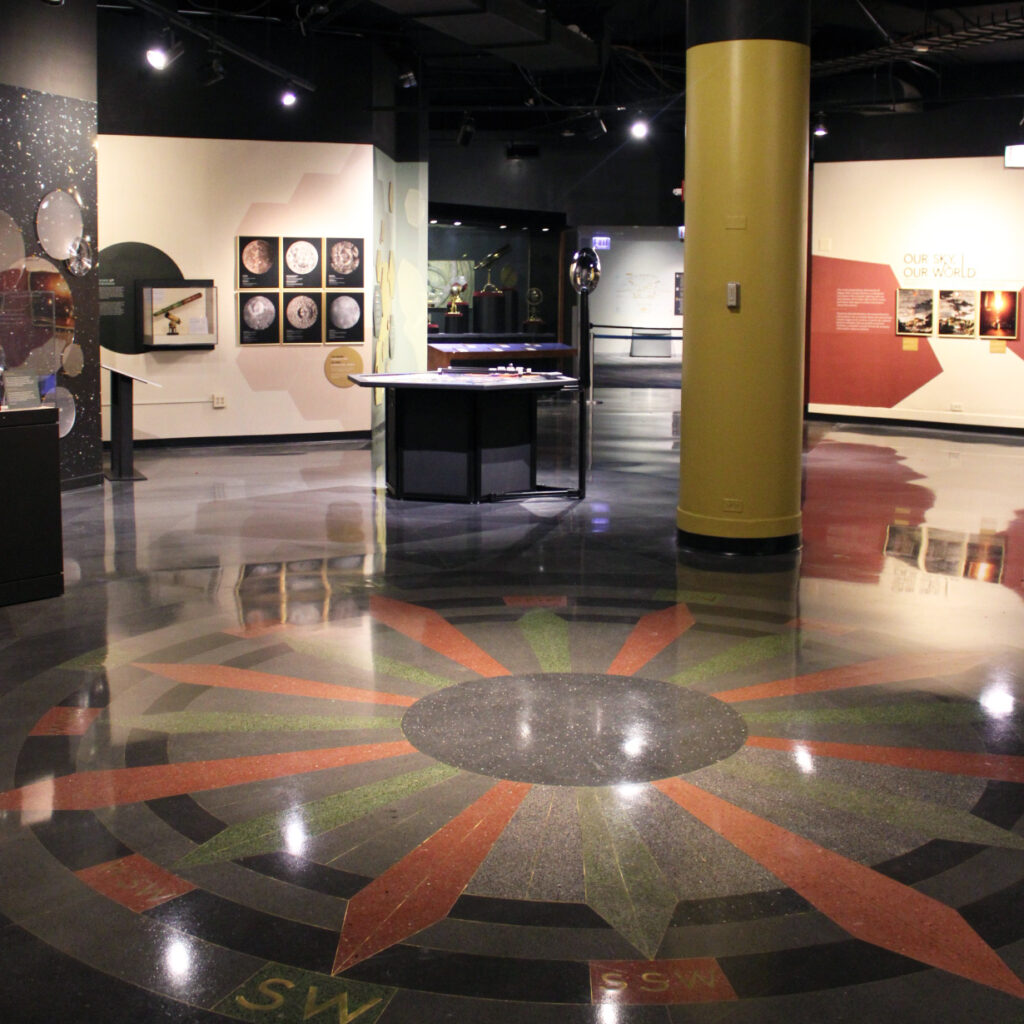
(290, 750)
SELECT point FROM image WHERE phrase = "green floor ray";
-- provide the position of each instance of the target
(378, 664)
(689, 597)
(548, 637)
(230, 721)
(923, 816)
(623, 883)
(266, 834)
(741, 655)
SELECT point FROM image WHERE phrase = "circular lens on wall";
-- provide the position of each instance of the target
(80, 263)
(38, 320)
(59, 224)
(66, 412)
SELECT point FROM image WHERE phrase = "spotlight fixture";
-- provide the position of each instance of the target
(214, 71)
(820, 127)
(466, 130)
(639, 129)
(595, 127)
(289, 97)
(54, 3)
(407, 80)
(163, 54)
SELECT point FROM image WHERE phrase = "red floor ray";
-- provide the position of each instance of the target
(868, 905)
(652, 634)
(85, 791)
(229, 678)
(428, 628)
(62, 721)
(897, 669)
(1004, 767)
(422, 887)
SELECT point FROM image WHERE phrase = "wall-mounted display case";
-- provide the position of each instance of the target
(177, 314)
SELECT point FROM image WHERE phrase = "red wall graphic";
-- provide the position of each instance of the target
(856, 357)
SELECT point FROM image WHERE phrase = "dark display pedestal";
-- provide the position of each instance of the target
(489, 313)
(461, 437)
(31, 549)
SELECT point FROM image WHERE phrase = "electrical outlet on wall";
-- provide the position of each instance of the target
(219, 401)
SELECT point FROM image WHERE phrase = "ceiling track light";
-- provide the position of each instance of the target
(163, 54)
(596, 128)
(211, 38)
(820, 126)
(214, 71)
(289, 97)
(466, 131)
(639, 129)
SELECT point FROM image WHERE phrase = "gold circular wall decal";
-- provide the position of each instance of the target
(340, 362)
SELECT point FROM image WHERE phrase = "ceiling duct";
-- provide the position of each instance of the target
(507, 28)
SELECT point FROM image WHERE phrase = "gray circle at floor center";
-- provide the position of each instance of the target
(574, 729)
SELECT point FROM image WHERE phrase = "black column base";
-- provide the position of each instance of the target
(742, 546)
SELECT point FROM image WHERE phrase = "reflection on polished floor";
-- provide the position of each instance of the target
(287, 750)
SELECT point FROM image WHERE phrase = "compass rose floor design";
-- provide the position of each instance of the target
(288, 750)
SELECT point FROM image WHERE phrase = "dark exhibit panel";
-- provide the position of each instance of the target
(31, 552)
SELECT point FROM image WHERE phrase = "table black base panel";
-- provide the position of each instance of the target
(36, 589)
(460, 446)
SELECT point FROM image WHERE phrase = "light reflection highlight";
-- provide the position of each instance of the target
(296, 837)
(634, 745)
(178, 959)
(997, 701)
(803, 759)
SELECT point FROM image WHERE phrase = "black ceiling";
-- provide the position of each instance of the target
(543, 67)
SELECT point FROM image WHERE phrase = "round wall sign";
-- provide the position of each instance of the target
(340, 362)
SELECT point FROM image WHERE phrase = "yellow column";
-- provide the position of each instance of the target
(746, 250)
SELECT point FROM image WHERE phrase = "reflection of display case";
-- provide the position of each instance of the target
(496, 284)
(177, 314)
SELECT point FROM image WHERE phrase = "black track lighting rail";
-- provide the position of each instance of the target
(214, 38)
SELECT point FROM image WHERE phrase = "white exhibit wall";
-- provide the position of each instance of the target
(192, 198)
(637, 286)
(949, 225)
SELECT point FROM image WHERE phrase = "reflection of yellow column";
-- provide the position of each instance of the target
(746, 224)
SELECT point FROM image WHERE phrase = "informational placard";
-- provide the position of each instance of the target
(340, 363)
(303, 320)
(259, 321)
(344, 262)
(21, 390)
(344, 316)
(300, 290)
(303, 263)
(259, 261)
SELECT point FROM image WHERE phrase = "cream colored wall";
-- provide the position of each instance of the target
(192, 198)
(637, 286)
(906, 213)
